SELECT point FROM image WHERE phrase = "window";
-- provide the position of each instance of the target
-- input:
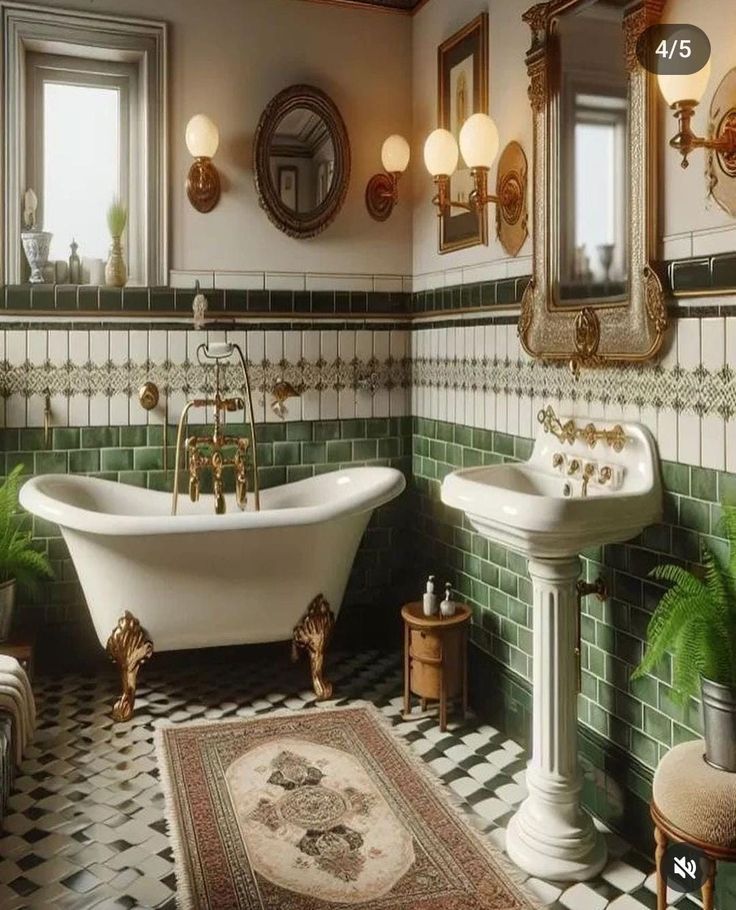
(81, 150)
(85, 106)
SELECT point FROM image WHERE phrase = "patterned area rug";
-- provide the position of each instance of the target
(319, 809)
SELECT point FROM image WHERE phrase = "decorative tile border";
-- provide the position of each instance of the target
(112, 379)
(703, 275)
(699, 390)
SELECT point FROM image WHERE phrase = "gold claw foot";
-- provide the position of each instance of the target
(312, 635)
(130, 647)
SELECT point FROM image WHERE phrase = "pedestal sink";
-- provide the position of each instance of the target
(584, 485)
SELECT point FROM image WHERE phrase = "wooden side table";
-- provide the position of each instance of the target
(435, 658)
(21, 645)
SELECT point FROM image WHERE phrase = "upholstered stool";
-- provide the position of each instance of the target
(693, 803)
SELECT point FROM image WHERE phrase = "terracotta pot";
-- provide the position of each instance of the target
(116, 274)
(7, 608)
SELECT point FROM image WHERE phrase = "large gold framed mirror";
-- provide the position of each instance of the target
(301, 157)
(595, 296)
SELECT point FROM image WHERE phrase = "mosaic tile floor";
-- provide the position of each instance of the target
(85, 825)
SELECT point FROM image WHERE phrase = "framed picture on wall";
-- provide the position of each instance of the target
(289, 187)
(462, 90)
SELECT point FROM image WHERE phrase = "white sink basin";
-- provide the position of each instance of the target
(539, 508)
(583, 486)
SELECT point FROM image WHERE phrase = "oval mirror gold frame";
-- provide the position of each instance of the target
(595, 334)
(295, 224)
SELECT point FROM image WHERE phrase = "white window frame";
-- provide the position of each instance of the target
(118, 45)
(122, 77)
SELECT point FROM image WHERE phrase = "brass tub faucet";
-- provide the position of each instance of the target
(211, 452)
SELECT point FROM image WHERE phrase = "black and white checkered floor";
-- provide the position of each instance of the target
(85, 826)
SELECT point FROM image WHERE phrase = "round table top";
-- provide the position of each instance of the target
(413, 614)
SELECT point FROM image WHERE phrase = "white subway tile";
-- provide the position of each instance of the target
(119, 350)
(381, 346)
(346, 404)
(16, 347)
(59, 410)
(79, 411)
(328, 404)
(38, 348)
(284, 281)
(157, 349)
(310, 346)
(363, 344)
(388, 284)
(238, 281)
(138, 347)
(520, 266)
(381, 403)
(188, 279)
(688, 438)
(712, 242)
(119, 413)
(667, 434)
(688, 343)
(328, 346)
(15, 411)
(99, 411)
(713, 442)
(677, 246)
(713, 343)
(274, 346)
(316, 282)
(79, 347)
(99, 347)
(310, 405)
(58, 347)
(292, 347)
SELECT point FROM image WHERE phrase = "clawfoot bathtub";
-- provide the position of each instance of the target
(197, 579)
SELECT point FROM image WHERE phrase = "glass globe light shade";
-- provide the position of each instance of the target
(684, 88)
(479, 141)
(395, 155)
(202, 137)
(441, 153)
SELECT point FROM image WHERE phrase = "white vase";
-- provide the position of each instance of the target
(7, 608)
(36, 245)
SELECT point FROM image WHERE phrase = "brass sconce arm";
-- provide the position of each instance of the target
(686, 140)
(510, 201)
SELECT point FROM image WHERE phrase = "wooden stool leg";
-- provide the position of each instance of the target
(423, 705)
(407, 670)
(465, 671)
(709, 887)
(661, 841)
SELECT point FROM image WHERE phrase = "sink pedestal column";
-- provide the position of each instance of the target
(551, 836)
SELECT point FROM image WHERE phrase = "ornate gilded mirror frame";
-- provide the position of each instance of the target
(593, 334)
(308, 224)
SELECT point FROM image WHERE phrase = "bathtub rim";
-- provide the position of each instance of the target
(386, 485)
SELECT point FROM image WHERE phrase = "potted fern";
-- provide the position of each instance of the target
(20, 563)
(116, 273)
(696, 620)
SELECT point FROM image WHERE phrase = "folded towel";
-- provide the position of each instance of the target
(16, 701)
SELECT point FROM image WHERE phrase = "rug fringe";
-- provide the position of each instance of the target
(516, 878)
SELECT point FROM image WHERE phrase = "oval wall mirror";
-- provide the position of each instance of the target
(301, 161)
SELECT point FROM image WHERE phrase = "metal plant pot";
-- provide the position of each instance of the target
(719, 724)
(7, 608)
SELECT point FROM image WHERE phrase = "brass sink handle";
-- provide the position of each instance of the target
(590, 434)
(588, 472)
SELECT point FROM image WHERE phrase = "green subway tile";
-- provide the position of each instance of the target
(472, 458)
(365, 449)
(298, 431)
(463, 436)
(503, 444)
(508, 583)
(32, 440)
(314, 452)
(676, 477)
(695, 515)
(271, 477)
(352, 429)
(163, 481)
(644, 748)
(286, 453)
(326, 429)
(277, 432)
(298, 472)
(65, 438)
(136, 436)
(134, 478)
(377, 427)
(388, 447)
(339, 451)
(100, 437)
(657, 725)
(51, 462)
(704, 484)
(483, 439)
(727, 489)
(117, 460)
(84, 461)
(148, 459)
(13, 459)
(9, 440)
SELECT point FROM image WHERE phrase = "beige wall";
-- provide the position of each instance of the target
(228, 58)
(685, 208)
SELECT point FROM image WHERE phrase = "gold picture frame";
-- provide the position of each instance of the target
(596, 333)
(462, 90)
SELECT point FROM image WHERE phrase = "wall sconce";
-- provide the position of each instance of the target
(382, 191)
(203, 181)
(683, 93)
(479, 143)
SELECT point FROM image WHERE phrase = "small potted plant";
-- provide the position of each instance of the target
(696, 621)
(116, 274)
(20, 563)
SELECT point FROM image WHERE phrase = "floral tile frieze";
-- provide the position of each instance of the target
(698, 390)
(110, 379)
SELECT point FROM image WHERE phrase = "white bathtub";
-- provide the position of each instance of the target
(198, 579)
